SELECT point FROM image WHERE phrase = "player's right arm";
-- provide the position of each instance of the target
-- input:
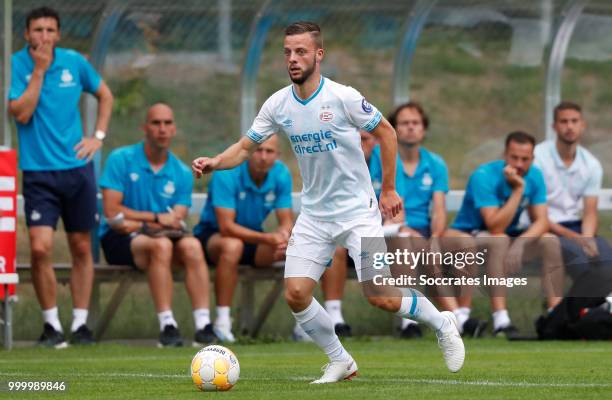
(498, 219)
(23, 107)
(230, 158)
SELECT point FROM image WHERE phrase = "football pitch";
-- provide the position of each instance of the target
(388, 369)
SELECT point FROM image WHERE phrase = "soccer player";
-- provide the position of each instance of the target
(54, 155)
(334, 278)
(573, 180)
(230, 228)
(322, 120)
(496, 195)
(146, 194)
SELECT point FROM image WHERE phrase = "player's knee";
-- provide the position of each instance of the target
(232, 248)
(161, 247)
(40, 249)
(81, 249)
(296, 295)
(190, 248)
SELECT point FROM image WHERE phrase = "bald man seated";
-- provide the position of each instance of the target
(146, 193)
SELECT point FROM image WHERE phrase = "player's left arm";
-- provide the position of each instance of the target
(438, 214)
(390, 201)
(589, 216)
(88, 147)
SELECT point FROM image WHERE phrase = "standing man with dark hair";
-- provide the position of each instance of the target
(322, 119)
(573, 179)
(495, 197)
(54, 155)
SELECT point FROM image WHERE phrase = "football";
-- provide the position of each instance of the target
(215, 368)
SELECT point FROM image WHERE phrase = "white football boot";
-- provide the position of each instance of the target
(223, 331)
(451, 344)
(337, 371)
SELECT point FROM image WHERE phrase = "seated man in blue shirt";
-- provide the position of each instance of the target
(230, 227)
(146, 196)
(496, 195)
(422, 181)
(54, 154)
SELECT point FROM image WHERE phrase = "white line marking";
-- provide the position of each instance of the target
(309, 378)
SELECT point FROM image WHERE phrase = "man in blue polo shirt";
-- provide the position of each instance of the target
(422, 181)
(146, 194)
(54, 155)
(496, 195)
(231, 223)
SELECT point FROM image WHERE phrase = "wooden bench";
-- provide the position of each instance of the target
(249, 322)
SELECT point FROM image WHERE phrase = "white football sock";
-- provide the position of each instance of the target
(318, 325)
(462, 314)
(201, 317)
(407, 321)
(334, 309)
(166, 318)
(501, 319)
(79, 317)
(418, 307)
(223, 316)
(51, 317)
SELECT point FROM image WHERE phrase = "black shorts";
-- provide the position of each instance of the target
(248, 254)
(69, 193)
(116, 247)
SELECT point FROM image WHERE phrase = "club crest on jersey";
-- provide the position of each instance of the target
(169, 189)
(270, 197)
(66, 78)
(427, 180)
(365, 106)
(326, 116)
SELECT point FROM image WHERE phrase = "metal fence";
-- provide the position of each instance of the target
(481, 68)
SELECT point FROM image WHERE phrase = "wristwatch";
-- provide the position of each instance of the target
(100, 135)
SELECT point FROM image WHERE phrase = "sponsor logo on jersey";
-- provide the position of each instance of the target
(366, 107)
(288, 123)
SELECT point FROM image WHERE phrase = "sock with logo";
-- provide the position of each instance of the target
(318, 325)
(418, 307)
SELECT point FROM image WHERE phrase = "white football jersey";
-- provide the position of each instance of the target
(324, 134)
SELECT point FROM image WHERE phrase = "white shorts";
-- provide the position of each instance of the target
(316, 241)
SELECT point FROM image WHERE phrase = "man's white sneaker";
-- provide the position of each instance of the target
(224, 333)
(337, 371)
(300, 335)
(451, 344)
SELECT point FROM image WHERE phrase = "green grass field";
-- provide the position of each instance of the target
(389, 369)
